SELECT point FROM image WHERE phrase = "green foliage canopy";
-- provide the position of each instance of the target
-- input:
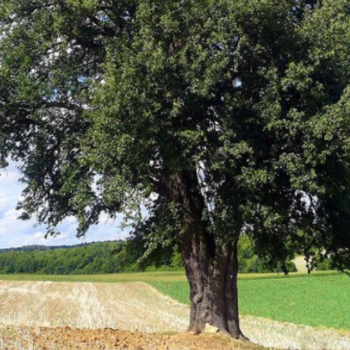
(247, 99)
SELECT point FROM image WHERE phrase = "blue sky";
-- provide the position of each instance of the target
(16, 233)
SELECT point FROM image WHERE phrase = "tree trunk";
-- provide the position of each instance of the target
(213, 286)
(211, 266)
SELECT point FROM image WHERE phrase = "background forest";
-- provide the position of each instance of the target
(111, 257)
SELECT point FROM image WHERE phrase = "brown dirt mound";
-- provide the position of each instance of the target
(108, 339)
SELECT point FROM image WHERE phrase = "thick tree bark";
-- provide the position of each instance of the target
(211, 267)
(213, 287)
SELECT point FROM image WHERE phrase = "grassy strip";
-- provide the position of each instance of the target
(318, 301)
(157, 276)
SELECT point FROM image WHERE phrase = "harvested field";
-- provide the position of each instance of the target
(41, 310)
(132, 307)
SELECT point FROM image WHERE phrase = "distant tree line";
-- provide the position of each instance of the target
(33, 247)
(110, 257)
(106, 257)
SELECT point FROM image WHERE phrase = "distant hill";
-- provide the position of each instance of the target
(85, 258)
(34, 247)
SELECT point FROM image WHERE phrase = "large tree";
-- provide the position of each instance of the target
(221, 117)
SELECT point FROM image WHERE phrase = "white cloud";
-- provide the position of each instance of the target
(9, 223)
(4, 201)
(8, 178)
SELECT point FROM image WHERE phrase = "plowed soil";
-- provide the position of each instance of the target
(108, 339)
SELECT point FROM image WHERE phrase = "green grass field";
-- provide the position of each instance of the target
(320, 299)
(316, 300)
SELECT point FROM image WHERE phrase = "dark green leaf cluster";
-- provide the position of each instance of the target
(250, 262)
